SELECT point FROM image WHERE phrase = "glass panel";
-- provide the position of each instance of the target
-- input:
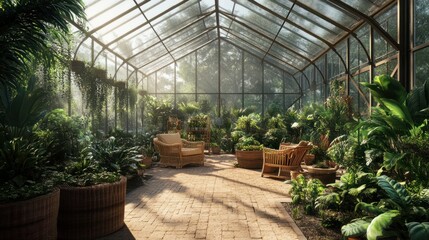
(291, 86)
(273, 103)
(231, 69)
(250, 36)
(157, 64)
(291, 100)
(212, 99)
(279, 8)
(366, 6)
(207, 69)
(246, 46)
(174, 17)
(280, 64)
(151, 84)
(421, 69)
(149, 55)
(421, 22)
(185, 98)
(254, 102)
(315, 24)
(229, 101)
(273, 79)
(186, 74)
(359, 102)
(252, 74)
(165, 81)
(287, 56)
(331, 11)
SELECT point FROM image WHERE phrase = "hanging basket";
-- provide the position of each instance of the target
(77, 66)
(93, 211)
(35, 218)
(100, 73)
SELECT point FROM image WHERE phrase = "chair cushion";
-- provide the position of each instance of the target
(191, 151)
(170, 138)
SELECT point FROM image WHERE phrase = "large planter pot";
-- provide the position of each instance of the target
(147, 161)
(93, 211)
(35, 218)
(215, 149)
(325, 175)
(249, 159)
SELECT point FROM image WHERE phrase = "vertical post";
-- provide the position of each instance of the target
(404, 43)
(284, 90)
(175, 85)
(218, 77)
(116, 94)
(196, 76)
(371, 64)
(348, 77)
(128, 100)
(135, 106)
(263, 87)
(242, 78)
(106, 120)
(69, 86)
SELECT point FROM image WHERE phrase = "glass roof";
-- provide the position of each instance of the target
(289, 34)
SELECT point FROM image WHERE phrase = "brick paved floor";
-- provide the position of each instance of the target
(216, 201)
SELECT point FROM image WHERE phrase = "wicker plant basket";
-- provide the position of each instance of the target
(249, 159)
(91, 212)
(35, 218)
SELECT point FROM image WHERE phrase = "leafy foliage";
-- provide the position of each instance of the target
(248, 144)
(306, 192)
(24, 27)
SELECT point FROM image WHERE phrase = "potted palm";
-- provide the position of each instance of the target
(248, 152)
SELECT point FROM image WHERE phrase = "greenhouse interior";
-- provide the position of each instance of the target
(214, 119)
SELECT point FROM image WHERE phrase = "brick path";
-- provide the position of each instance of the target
(216, 201)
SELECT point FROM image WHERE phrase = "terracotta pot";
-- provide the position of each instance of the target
(35, 218)
(93, 211)
(215, 149)
(249, 159)
(147, 161)
(325, 175)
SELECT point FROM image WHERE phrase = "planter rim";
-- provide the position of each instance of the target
(312, 169)
(93, 186)
(55, 189)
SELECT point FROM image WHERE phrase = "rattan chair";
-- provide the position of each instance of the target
(178, 152)
(279, 163)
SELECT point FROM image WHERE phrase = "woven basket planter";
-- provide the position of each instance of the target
(325, 175)
(35, 218)
(91, 212)
(249, 159)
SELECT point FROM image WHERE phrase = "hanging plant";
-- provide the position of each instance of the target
(132, 98)
(121, 93)
(92, 83)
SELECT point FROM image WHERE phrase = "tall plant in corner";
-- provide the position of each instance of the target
(396, 115)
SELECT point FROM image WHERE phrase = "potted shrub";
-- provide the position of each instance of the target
(248, 152)
(322, 169)
(28, 198)
(215, 148)
(92, 202)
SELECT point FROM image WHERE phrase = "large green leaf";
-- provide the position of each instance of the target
(398, 109)
(369, 208)
(395, 191)
(390, 159)
(385, 86)
(356, 228)
(417, 101)
(418, 231)
(379, 226)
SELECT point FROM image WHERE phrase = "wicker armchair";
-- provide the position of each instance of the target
(279, 163)
(178, 152)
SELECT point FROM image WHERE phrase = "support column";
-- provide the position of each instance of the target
(404, 71)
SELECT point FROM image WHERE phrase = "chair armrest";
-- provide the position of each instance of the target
(274, 156)
(197, 144)
(165, 149)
